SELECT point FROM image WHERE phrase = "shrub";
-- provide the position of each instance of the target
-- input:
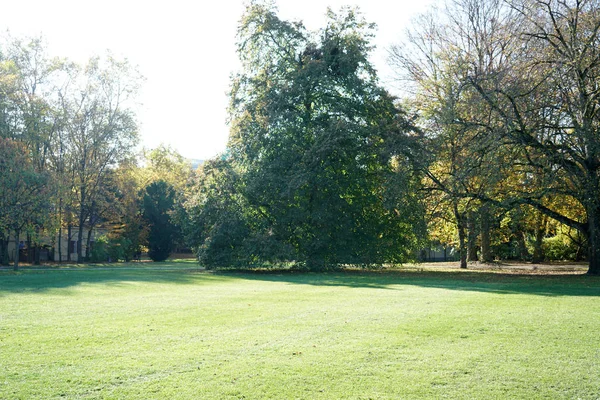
(110, 249)
(559, 248)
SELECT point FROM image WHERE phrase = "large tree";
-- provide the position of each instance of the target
(28, 87)
(23, 194)
(100, 130)
(458, 157)
(309, 124)
(532, 68)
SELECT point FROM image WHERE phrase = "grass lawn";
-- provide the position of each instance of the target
(175, 332)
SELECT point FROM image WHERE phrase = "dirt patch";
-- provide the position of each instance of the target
(514, 267)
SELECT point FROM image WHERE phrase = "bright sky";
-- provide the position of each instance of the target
(184, 48)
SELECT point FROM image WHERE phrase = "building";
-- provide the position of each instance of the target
(49, 250)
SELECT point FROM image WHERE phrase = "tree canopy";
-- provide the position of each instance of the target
(512, 88)
(309, 124)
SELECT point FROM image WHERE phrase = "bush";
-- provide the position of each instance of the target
(99, 252)
(559, 248)
(110, 249)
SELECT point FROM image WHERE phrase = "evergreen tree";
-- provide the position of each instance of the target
(159, 199)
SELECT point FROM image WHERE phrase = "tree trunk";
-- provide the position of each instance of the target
(593, 215)
(87, 244)
(60, 210)
(69, 237)
(538, 251)
(79, 242)
(486, 251)
(523, 252)
(4, 249)
(59, 244)
(460, 224)
(36, 259)
(16, 261)
(540, 231)
(472, 237)
(29, 249)
(36, 247)
(80, 230)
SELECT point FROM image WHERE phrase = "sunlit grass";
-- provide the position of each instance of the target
(170, 332)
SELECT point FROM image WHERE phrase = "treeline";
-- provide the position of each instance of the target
(67, 161)
(493, 149)
(506, 100)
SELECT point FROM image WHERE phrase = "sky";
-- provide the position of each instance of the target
(186, 51)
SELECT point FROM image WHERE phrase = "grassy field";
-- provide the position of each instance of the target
(173, 332)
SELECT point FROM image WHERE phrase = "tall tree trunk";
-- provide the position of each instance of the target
(69, 238)
(486, 248)
(593, 215)
(462, 244)
(59, 243)
(79, 242)
(37, 255)
(29, 249)
(472, 237)
(16, 261)
(80, 230)
(522, 246)
(4, 248)
(36, 247)
(87, 244)
(540, 231)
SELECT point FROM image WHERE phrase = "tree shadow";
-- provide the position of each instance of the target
(63, 280)
(37, 280)
(552, 285)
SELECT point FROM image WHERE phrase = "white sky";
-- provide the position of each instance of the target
(184, 48)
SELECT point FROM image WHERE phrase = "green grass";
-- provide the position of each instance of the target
(170, 332)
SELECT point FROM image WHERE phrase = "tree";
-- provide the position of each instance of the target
(531, 70)
(23, 192)
(165, 163)
(39, 79)
(128, 224)
(309, 124)
(77, 124)
(220, 221)
(159, 198)
(456, 157)
(545, 94)
(28, 85)
(101, 130)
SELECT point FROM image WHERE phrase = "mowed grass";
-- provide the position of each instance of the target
(174, 333)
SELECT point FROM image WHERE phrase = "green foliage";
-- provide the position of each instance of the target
(24, 195)
(219, 226)
(308, 172)
(99, 251)
(76, 124)
(159, 199)
(560, 248)
(111, 248)
(166, 164)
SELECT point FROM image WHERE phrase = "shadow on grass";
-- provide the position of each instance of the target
(567, 284)
(40, 280)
